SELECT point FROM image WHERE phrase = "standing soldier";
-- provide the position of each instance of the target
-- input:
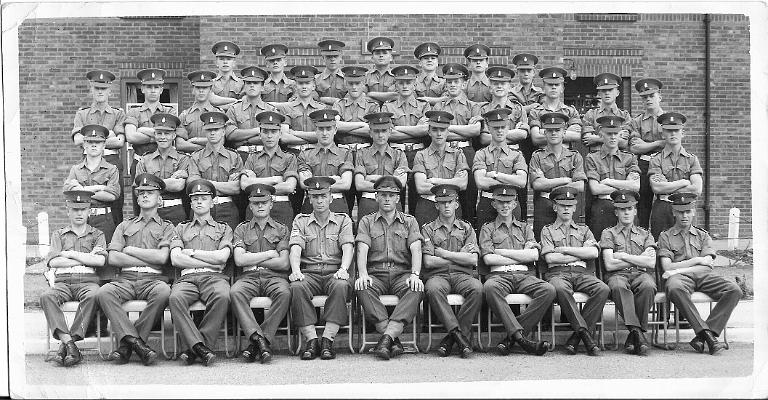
(140, 249)
(379, 81)
(389, 261)
(101, 113)
(272, 166)
(322, 248)
(200, 248)
(551, 102)
(478, 87)
(645, 140)
(429, 85)
(95, 174)
(139, 130)
(242, 130)
(566, 247)
(629, 255)
(261, 250)
(329, 83)
(226, 83)
(498, 164)
(277, 87)
(508, 247)
(672, 170)
(607, 91)
(190, 134)
(438, 164)
(220, 166)
(169, 165)
(376, 161)
(327, 159)
(687, 257)
(609, 169)
(551, 167)
(450, 256)
(525, 91)
(77, 253)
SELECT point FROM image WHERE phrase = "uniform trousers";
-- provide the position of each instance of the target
(500, 284)
(337, 205)
(175, 214)
(106, 224)
(319, 280)
(133, 286)
(568, 281)
(135, 202)
(117, 205)
(661, 217)
(543, 214)
(602, 216)
(468, 197)
(633, 292)
(297, 198)
(282, 212)
(212, 289)
(389, 281)
(727, 294)
(426, 211)
(70, 287)
(226, 213)
(260, 283)
(440, 285)
(413, 194)
(646, 194)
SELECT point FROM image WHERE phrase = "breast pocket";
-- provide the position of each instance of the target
(205, 166)
(399, 240)
(268, 90)
(311, 244)
(378, 240)
(432, 166)
(332, 244)
(449, 165)
(155, 237)
(499, 239)
(558, 238)
(259, 169)
(333, 166)
(285, 91)
(620, 172)
(212, 238)
(439, 239)
(508, 163)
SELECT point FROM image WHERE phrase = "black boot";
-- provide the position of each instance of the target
(73, 354)
(251, 352)
(60, 355)
(592, 348)
(206, 355)
(505, 346)
(123, 353)
(188, 356)
(629, 345)
(572, 344)
(446, 346)
(530, 346)
(463, 344)
(698, 342)
(397, 348)
(147, 355)
(326, 349)
(311, 350)
(641, 348)
(262, 344)
(383, 347)
(709, 338)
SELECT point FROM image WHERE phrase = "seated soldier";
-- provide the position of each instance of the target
(322, 247)
(450, 254)
(200, 248)
(566, 246)
(687, 257)
(389, 261)
(261, 249)
(629, 253)
(77, 251)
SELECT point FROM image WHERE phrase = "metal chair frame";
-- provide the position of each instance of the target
(265, 303)
(137, 307)
(580, 299)
(512, 299)
(455, 301)
(69, 308)
(200, 306)
(319, 302)
(389, 300)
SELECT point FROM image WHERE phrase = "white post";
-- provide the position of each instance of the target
(43, 233)
(733, 228)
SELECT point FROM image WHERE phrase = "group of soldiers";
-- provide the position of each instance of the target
(251, 190)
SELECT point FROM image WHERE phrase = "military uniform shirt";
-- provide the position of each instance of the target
(376, 81)
(533, 97)
(502, 159)
(229, 87)
(202, 234)
(429, 86)
(645, 127)
(222, 165)
(621, 165)
(279, 90)
(154, 163)
(388, 243)
(325, 161)
(430, 162)
(591, 116)
(479, 90)
(153, 233)
(297, 114)
(242, 115)
(632, 240)
(330, 84)
(139, 116)
(680, 244)
(105, 174)
(406, 112)
(517, 114)
(354, 110)
(109, 117)
(321, 244)
(371, 161)
(498, 235)
(545, 164)
(279, 163)
(255, 238)
(66, 239)
(190, 120)
(667, 167)
(459, 237)
(559, 234)
(460, 106)
(534, 114)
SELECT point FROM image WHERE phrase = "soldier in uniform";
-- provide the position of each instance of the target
(277, 87)
(261, 250)
(450, 256)
(76, 256)
(551, 102)
(687, 257)
(200, 249)
(322, 247)
(551, 167)
(607, 90)
(220, 166)
(140, 248)
(327, 159)
(139, 128)
(429, 85)
(629, 256)
(438, 164)
(525, 92)
(297, 110)
(242, 130)
(609, 169)
(95, 174)
(101, 113)
(566, 246)
(226, 84)
(376, 161)
(379, 81)
(389, 261)
(645, 139)
(272, 166)
(497, 164)
(508, 247)
(190, 136)
(169, 165)
(478, 86)
(672, 170)
(329, 83)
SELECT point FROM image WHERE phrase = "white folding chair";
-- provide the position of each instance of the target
(455, 301)
(319, 302)
(264, 303)
(69, 308)
(200, 306)
(134, 308)
(389, 300)
(580, 299)
(512, 299)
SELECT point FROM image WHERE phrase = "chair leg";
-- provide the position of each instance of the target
(490, 328)
(349, 328)
(362, 323)
(552, 326)
(677, 327)
(429, 326)
(98, 336)
(615, 329)
(227, 351)
(479, 326)
(162, 339)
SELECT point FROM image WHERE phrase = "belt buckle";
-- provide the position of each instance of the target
(454, 144)
(408, 146)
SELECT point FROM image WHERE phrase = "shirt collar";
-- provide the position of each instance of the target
(106, 108)
(676, 230)
(204, 220)
(667, 152)
(439, 223)
(433, 150)
(387, 150)
(559, 224)
(483, 79)
(155, 218)
(282, 78)
(102, 164)
(259, 103)
(504, 147)
(411, 100)
(208, 149)
(327, 73)
(613, 109)
(461, 99)
(331, 218)
(500, 221)
(88, 230)
(398, 216)
(151, 107)
(231, 76)
(654, 115)
(172, 153)
(332, 148)
(207, 106)
(268, 221)
(422, 77)
(604, 152)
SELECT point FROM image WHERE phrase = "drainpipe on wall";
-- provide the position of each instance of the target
(707, 125)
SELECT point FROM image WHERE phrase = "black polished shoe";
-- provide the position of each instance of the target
(505, 346)
(572, 344)
(147, 355)
(698, 343)
(73, 354)
(383, 347)
(397, 348)
(311, 350)
(59, 355)
(250, 353)
(206, 355)
(188, 356)
(326, 349)
(629, 345)
(641, 347)
(709, 338)
(265, 352)
(532, 347)
(123, 353)
(592, 348)
(462, 343)
(446, 346)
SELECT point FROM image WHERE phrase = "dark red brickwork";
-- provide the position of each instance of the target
(54, 55)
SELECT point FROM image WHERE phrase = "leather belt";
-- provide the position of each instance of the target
(544, 194)
(99, 211)
(77, 269)
(487, 195)
(634, 268)
(369, 195)
(138, 157)
(250, 148)
(280, 198)
(221, 199)
(575, 264)
(408, 146)
(188, 271)
(429, 197)
(110, 152)
(663, 197)
(146, 270)
(254, 268)
(354, 146)
(337, 195)
(604, 196)
(170, 203)
(510, 268)
(298, 147)
(646, 157)
(459, 144)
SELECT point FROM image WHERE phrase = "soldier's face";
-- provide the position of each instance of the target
(607, 96)
(504, 208)
(276, 65)
(152, 92)
(651, 101)
(447, 208)
(270, 137)
(405, 86)
(525, 75)
(332, 62)
(261, 209)
(500, 88)
(498, 133)
(201, 93)
(684, 218)
(455, 86)
(225, 63)
(626, 215)
(553, 90)
(380, 135)
(93, 148)
(438, 135)
(320, 202)
(673, 136)
(325, 134)
(428, 63)
(387, 201)
(214, 135)
(554, 135)
(201, 203)
(564, 211)
(100, 95)
(148, 199)
(305, 89)
(77, 216)
(354, 88)
(477, 65)
(253, 89)
(610, 139)
(381, 57)
(164, 138)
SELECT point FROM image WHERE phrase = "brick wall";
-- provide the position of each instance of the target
(669, 47)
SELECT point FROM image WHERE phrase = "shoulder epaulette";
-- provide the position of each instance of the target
(83, 108)
(703, 230)
(135, 105)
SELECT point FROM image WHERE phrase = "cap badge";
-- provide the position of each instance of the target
(606, 80)
(554, 75)
(504, 191)
(428, 49)
(444, 192)
(325, 116)
(253, 72)
(78, 198)
(163, 119)
(329, 47)
(101, 76)
(623, 197)
(211, 120)
(225, 47)
(93, 132)
(525, 59)
(671, 119)
(144, 181)
(258, 190)
(273, 50)
(153, 74)
(381, 43)
(645, 84)
(499, 74)
(270, 118)
(317, 185)
(682, 199)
